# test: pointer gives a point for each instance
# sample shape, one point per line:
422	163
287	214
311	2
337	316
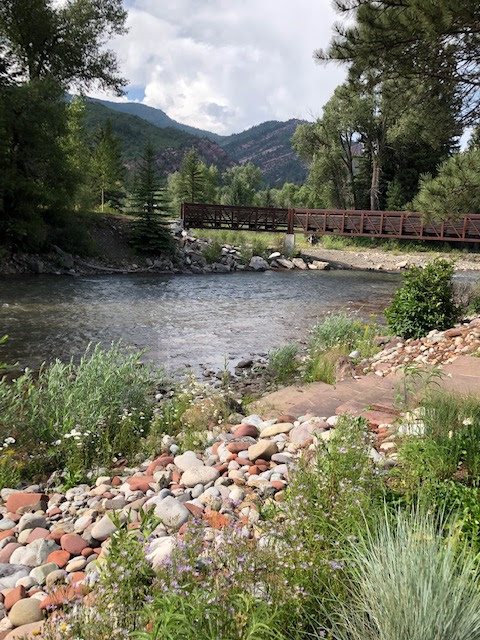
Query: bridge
396	225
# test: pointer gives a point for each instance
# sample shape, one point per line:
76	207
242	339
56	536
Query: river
201	320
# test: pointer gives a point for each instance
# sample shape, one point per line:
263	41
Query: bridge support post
289	244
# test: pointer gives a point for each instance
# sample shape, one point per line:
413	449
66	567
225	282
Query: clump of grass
333	338
336	329
282	363
212	252
408	581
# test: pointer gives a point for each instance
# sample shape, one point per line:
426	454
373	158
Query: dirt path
378	260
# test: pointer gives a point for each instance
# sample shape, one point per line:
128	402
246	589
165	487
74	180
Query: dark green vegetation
424	302
412	88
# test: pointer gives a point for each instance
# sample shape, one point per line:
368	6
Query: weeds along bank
134	508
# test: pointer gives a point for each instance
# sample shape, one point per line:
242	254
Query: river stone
199	475
187	460
26	631
172	513
6	523
302	432
262	449
34	554
31	521
25	611
103	529
160	549
39	574
275	429
299	263
286	264
10	573
320	265
258	264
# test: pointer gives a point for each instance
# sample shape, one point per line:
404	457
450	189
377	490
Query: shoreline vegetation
133	506
107	251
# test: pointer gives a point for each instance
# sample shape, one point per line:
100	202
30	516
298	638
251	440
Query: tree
240	184
455	191
151	231
192	177
108	169
427	42
78	154
46	48
62	41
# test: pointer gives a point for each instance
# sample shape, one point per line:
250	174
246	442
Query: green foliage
409	561
424	302
46	48
151	231
407	42
212	252
240	184
74	416
336	329
455	191
108	171
282	363
333	339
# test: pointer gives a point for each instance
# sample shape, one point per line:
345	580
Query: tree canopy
432	42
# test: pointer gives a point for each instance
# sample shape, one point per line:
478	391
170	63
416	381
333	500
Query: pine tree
151	232
192	177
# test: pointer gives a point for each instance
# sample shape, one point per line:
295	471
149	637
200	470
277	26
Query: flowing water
181	320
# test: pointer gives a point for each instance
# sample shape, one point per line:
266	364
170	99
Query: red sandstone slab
19	500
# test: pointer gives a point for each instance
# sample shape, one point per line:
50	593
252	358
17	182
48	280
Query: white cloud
225	65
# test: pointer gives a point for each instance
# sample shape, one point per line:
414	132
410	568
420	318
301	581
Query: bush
213	252
408	581
424	302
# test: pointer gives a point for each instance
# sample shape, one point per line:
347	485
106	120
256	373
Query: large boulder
172	512
25	611
257	263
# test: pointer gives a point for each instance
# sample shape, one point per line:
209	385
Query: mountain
170	143
155	116
268	146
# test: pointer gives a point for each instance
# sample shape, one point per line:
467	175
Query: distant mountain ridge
267	145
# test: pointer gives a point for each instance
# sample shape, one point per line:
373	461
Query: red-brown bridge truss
353	223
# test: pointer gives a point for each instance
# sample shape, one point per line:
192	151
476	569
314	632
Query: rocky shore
53	541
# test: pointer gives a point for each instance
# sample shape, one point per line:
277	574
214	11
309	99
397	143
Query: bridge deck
353	223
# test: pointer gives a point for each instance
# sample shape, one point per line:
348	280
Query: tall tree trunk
375	183
103	198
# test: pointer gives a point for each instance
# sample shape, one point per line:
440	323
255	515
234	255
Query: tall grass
76	415
336	336
408	581
282	363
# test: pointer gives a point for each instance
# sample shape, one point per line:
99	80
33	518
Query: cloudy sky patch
226	65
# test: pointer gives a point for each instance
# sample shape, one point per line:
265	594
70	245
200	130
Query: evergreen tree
430	43
108	169
455	191
151	231
192	177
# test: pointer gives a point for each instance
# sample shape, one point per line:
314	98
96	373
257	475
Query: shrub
424	302
213	252
407	581
282	363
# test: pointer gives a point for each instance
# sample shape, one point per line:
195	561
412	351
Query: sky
226	65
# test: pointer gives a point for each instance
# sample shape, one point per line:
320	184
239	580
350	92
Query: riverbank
377	260
109	252
220	488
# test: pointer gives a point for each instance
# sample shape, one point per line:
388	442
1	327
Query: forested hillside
169	143
268	145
